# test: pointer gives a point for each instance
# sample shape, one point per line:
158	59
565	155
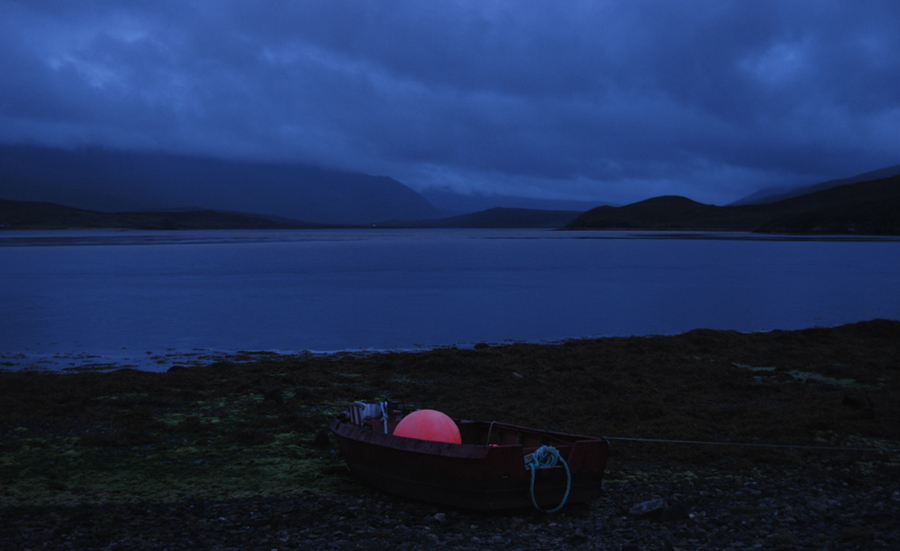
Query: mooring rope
547	456
748	444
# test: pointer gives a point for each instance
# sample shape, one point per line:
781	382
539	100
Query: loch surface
118	294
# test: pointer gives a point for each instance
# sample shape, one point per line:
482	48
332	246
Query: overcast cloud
615	101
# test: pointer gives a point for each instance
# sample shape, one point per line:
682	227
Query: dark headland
864	208
234	454
26	215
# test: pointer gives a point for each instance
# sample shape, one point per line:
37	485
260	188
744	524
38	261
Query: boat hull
488	475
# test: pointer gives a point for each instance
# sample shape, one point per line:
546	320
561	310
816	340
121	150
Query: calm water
82	297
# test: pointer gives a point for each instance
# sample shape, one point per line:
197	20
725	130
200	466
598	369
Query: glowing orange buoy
427	424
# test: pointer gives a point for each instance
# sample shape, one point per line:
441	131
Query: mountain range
120	181
105	188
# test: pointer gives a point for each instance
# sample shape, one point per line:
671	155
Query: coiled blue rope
547	456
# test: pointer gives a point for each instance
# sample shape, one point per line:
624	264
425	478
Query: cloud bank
607	101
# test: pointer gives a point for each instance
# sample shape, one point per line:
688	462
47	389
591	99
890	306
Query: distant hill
32	215
496	218
865	208
668	212
461	203
118	181
779	194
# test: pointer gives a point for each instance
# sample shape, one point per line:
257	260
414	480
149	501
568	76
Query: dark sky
614	101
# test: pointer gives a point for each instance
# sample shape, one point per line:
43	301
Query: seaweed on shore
233	430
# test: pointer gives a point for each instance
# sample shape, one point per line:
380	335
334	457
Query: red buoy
427	424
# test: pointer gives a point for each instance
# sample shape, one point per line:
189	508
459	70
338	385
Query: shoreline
129	458
160	362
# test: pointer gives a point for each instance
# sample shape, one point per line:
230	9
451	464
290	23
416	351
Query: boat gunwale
448	449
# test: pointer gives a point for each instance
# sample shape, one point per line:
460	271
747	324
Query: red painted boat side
476	474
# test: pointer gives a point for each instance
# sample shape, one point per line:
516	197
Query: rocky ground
234	456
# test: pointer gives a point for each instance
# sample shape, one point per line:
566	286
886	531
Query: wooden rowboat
486	471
